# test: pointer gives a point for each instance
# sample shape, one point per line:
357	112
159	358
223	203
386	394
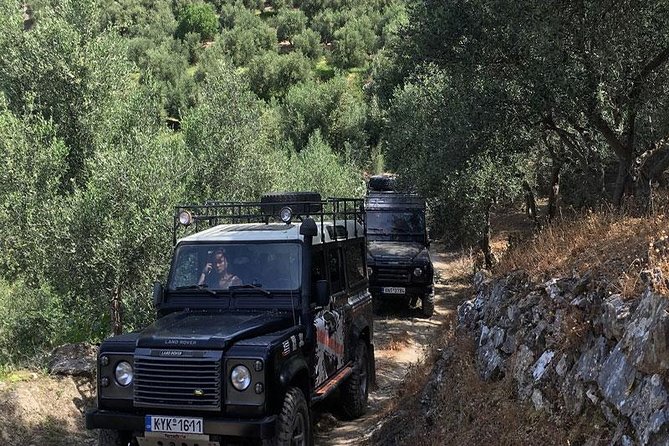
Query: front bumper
251	428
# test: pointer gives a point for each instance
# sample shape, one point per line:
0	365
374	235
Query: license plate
179	425
394	290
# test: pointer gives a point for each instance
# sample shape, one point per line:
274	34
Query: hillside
565	343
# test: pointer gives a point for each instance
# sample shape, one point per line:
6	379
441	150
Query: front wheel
427	304
294	423
355	390
112	437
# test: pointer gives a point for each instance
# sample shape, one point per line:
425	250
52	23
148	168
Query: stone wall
572	348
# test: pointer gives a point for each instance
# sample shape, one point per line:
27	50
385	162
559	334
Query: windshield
395	223
270	266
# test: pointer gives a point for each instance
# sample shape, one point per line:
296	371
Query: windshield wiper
202	287
251	286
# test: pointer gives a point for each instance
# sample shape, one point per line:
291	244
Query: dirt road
401	338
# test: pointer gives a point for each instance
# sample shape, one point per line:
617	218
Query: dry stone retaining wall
571	347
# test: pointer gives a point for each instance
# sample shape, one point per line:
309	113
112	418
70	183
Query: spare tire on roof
382	183
301	203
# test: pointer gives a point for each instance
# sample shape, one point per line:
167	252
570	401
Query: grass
612	246
323	69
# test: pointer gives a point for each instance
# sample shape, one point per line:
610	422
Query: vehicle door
329	320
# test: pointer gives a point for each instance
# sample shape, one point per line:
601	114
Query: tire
355	390
382	183
427	304
112	437
302	203
294	423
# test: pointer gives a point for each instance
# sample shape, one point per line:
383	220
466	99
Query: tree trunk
623	180
117	312
531	205
485	241
555	190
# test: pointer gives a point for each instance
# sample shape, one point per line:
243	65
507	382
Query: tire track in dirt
401	337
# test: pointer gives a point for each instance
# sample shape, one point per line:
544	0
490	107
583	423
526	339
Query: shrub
31	322
308	42
197	18
290	22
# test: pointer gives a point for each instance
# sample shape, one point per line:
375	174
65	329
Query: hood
402	252
200	330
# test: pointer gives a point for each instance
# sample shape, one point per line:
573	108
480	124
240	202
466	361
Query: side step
327	387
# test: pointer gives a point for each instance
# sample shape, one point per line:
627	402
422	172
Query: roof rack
192	218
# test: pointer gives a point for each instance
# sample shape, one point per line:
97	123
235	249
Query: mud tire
112	437
427	304
355	390
294	423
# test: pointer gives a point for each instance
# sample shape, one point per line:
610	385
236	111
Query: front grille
392	275
182	382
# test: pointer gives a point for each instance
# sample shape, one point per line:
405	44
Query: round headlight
286	214
418	272
240	377
123	373
185	218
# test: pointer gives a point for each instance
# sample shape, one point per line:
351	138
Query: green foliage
271	74
227	141
289	22
318	168
91	171
32	322
326	22
65	75
111	238
354	42
165	66
336	108
249	36
35	162
429	140
308	43
152	19
197	18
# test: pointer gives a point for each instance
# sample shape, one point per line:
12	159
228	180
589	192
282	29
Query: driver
216	274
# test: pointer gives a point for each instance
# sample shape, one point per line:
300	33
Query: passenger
216	275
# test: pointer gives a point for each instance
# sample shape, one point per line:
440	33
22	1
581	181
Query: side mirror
158	294
322	293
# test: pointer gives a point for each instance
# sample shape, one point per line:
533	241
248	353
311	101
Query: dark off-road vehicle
243	358
398	259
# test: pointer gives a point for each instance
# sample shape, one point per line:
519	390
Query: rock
616	378
573	395
647	407
74	360
616	313
490	363
583	283
562	366
481	279
538	400
541	364
467	314
646	339
524	360
590	362
509	345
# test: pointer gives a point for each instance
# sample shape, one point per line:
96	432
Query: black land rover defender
243	355
399	262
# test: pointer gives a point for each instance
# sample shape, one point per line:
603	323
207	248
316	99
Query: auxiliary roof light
185	218
286	214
